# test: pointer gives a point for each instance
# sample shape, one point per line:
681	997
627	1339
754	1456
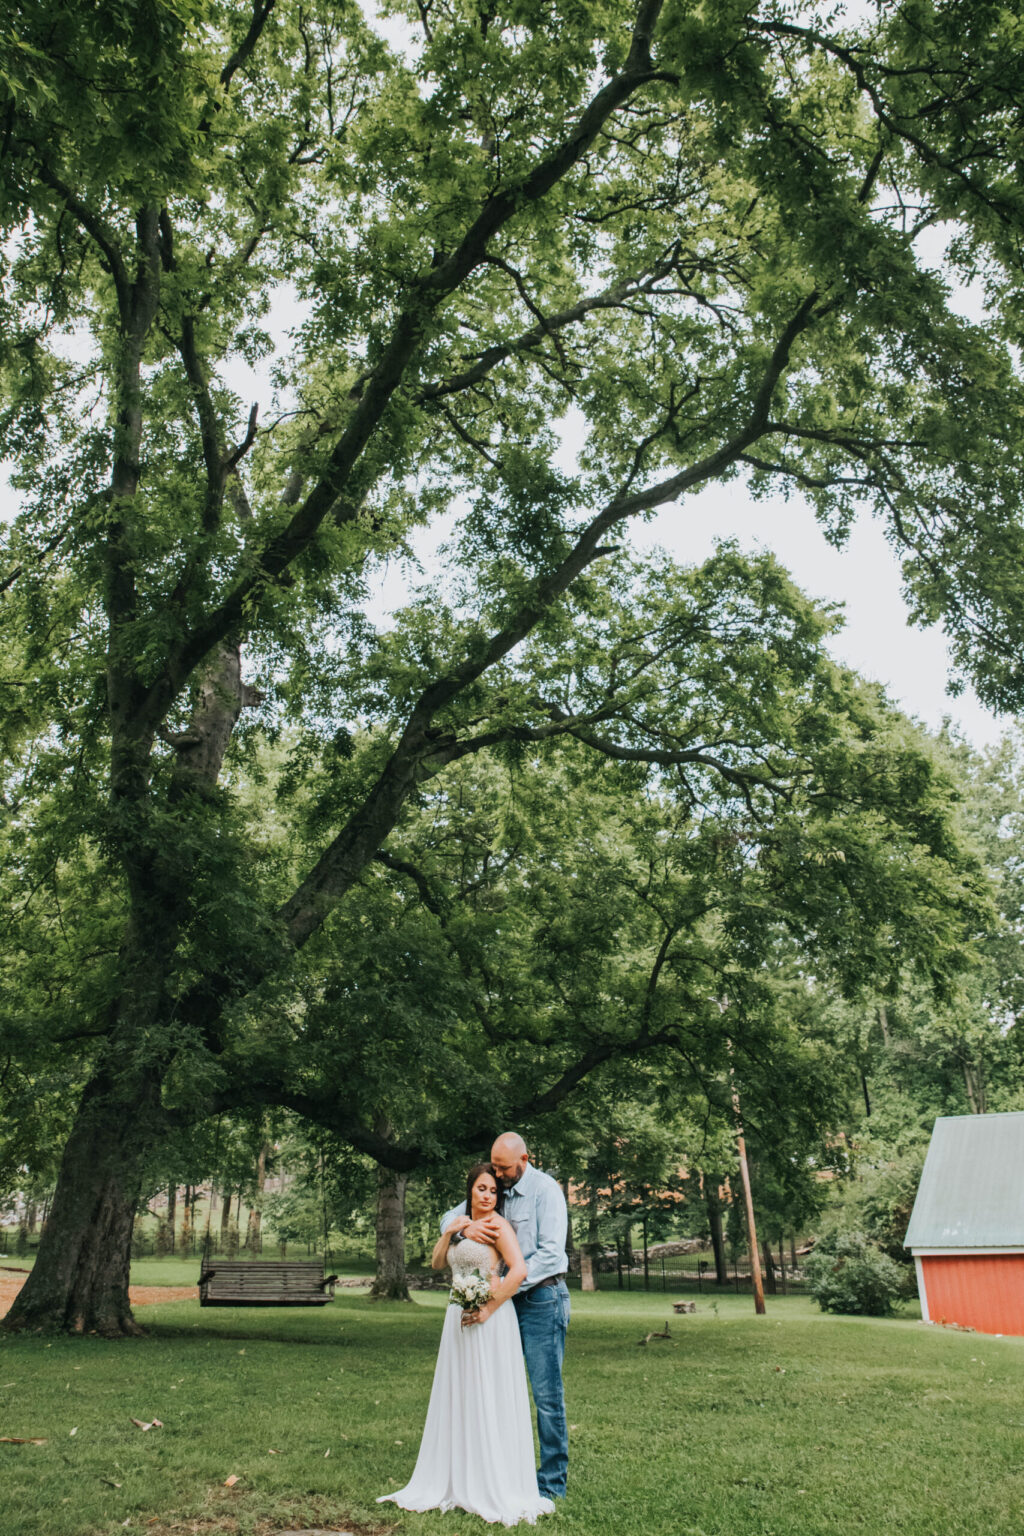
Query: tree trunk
714	1208
80	1279
389	1283
172	1213
769	1268
225	1218
254	1232
592	1247
975	1092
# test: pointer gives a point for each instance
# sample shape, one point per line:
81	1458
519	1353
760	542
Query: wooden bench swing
255	1283
259	1283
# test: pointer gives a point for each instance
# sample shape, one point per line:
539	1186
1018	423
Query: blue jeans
543	1313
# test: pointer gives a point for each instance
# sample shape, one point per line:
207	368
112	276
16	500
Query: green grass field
792	1425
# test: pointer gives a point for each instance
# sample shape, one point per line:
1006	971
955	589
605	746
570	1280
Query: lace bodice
468	1255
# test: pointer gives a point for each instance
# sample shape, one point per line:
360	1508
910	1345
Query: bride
477	1448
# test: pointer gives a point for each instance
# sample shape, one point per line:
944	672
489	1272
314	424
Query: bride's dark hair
474	1173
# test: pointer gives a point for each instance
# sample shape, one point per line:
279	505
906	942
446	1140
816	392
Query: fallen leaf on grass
73	1431
229	1482
110	1482
153	1424
326	1454
273	1453
17	1440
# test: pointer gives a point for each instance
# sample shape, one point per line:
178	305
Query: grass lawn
792	1425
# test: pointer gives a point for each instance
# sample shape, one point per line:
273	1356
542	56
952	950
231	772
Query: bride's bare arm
439	1257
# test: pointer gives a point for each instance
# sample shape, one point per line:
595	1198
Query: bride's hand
480	1315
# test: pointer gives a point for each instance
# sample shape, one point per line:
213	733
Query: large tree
639	214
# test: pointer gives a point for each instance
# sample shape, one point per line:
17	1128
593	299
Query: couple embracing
477	1448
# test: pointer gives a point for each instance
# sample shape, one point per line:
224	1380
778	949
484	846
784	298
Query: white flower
470	1291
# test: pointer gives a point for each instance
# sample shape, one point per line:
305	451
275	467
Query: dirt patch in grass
141	1295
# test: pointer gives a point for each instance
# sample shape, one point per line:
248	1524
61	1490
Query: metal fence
687	1274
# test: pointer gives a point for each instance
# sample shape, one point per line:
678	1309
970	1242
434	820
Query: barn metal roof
971	1193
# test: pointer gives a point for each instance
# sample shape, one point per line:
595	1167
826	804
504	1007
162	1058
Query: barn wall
983	1291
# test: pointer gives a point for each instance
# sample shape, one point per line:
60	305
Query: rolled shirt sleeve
449	1216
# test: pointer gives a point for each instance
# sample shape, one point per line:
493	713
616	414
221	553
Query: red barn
967	1227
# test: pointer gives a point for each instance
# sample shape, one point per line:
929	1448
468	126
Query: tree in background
658	219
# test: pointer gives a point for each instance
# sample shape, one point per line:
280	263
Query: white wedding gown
477	1448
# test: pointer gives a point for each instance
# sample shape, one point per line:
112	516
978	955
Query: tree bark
80	1279
389	1282
769	1269
172	1213
714	1209
592	1246
254	1231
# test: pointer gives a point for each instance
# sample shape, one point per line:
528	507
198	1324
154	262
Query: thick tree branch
104	237
336	495
244	51
421	750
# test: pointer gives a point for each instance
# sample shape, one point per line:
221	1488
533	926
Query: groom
535	1207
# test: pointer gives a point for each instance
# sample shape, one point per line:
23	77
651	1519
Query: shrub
848	1273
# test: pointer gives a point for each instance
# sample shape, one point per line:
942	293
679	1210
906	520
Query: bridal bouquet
470	1291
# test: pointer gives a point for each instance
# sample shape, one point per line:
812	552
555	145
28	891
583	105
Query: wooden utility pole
748	1201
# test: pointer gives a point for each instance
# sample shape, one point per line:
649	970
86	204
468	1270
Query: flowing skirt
477	1448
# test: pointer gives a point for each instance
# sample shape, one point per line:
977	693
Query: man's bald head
509	1158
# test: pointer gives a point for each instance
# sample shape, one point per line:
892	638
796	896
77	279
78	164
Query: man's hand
486	1230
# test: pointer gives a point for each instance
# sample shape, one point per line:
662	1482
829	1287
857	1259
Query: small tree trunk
254	1235
769	1268
592	1247
172	1214
225	1218
389	1282
714	1208
568	1235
